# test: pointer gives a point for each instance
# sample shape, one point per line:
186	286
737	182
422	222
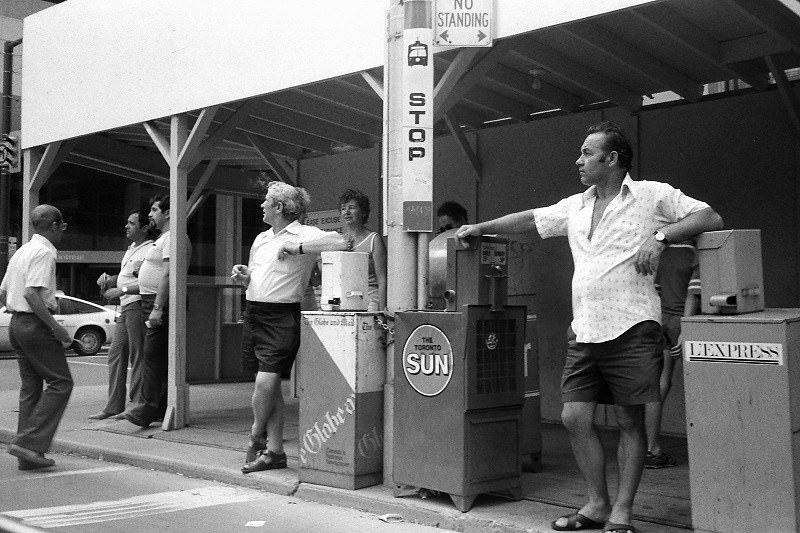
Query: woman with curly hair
354	206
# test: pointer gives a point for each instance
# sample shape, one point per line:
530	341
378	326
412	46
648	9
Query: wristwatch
156	307
660	237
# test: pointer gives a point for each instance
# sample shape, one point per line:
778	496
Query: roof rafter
785	28
322	109
579	74
523	84
266	128
634	58
482	97
667	22
298	121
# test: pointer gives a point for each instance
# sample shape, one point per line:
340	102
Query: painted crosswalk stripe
44	474
138	506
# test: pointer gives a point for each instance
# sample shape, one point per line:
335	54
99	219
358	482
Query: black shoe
268	460
134	419
29	459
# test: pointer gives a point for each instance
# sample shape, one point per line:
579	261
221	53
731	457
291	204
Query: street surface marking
99	470
86	363
138	506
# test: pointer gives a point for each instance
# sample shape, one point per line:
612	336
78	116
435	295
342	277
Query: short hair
360	198
143	217
615	141
453	210
163	201
43	216
295	200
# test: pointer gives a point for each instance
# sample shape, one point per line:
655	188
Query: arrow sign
481	36
444	36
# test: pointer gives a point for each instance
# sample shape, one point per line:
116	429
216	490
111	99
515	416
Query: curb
377	500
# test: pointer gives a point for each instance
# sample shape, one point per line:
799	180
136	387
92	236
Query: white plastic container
344	281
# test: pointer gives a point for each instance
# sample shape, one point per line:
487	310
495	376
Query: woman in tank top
354	206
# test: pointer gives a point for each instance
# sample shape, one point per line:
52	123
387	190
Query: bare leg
653	410
578	418
269	410
630	460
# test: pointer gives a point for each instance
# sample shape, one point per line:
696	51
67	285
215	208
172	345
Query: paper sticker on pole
428	360
417	124
464	22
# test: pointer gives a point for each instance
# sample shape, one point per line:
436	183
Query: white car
89	323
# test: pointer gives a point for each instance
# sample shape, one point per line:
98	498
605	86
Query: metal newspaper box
742	382
459	383
341	377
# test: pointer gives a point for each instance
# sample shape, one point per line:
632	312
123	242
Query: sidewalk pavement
211	447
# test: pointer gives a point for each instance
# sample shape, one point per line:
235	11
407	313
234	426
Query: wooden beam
466	147
664	20
201	183
545	93
159	139
187	157
782	25
177	390
347	95
448	98
296	120
225	129
263	127
482	97
455	70
303	102
578	74
747	48
634	58
785	90
375	84
46	165
269	158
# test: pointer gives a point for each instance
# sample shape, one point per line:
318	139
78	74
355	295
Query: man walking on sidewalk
28	291
129	330
279	268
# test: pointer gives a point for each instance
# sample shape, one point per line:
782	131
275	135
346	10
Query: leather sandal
267	460
256	447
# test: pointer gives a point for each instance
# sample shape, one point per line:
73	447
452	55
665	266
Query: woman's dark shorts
622	371
270	337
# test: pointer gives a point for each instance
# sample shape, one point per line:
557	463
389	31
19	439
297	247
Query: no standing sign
463	22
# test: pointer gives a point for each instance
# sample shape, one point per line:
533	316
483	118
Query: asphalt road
87	496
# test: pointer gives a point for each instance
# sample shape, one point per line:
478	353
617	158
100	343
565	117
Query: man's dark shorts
622	371
270	337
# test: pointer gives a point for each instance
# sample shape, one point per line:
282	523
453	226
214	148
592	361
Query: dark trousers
41	359
152	402
127	345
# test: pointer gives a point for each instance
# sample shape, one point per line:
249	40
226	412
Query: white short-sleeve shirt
152	269
281	281
129	269
32	265
608	295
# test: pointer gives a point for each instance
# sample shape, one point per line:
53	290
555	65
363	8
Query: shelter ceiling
620	58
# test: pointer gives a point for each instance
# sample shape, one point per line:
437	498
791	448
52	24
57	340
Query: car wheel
92	340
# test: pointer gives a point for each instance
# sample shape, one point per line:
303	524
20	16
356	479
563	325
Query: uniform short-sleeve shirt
281	281
32	265
152	269
129	269
608	295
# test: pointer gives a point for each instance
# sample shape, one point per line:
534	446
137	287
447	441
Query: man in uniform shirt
279	268
28	292
129	330
616	230
154	291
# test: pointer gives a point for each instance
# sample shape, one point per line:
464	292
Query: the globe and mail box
342	370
